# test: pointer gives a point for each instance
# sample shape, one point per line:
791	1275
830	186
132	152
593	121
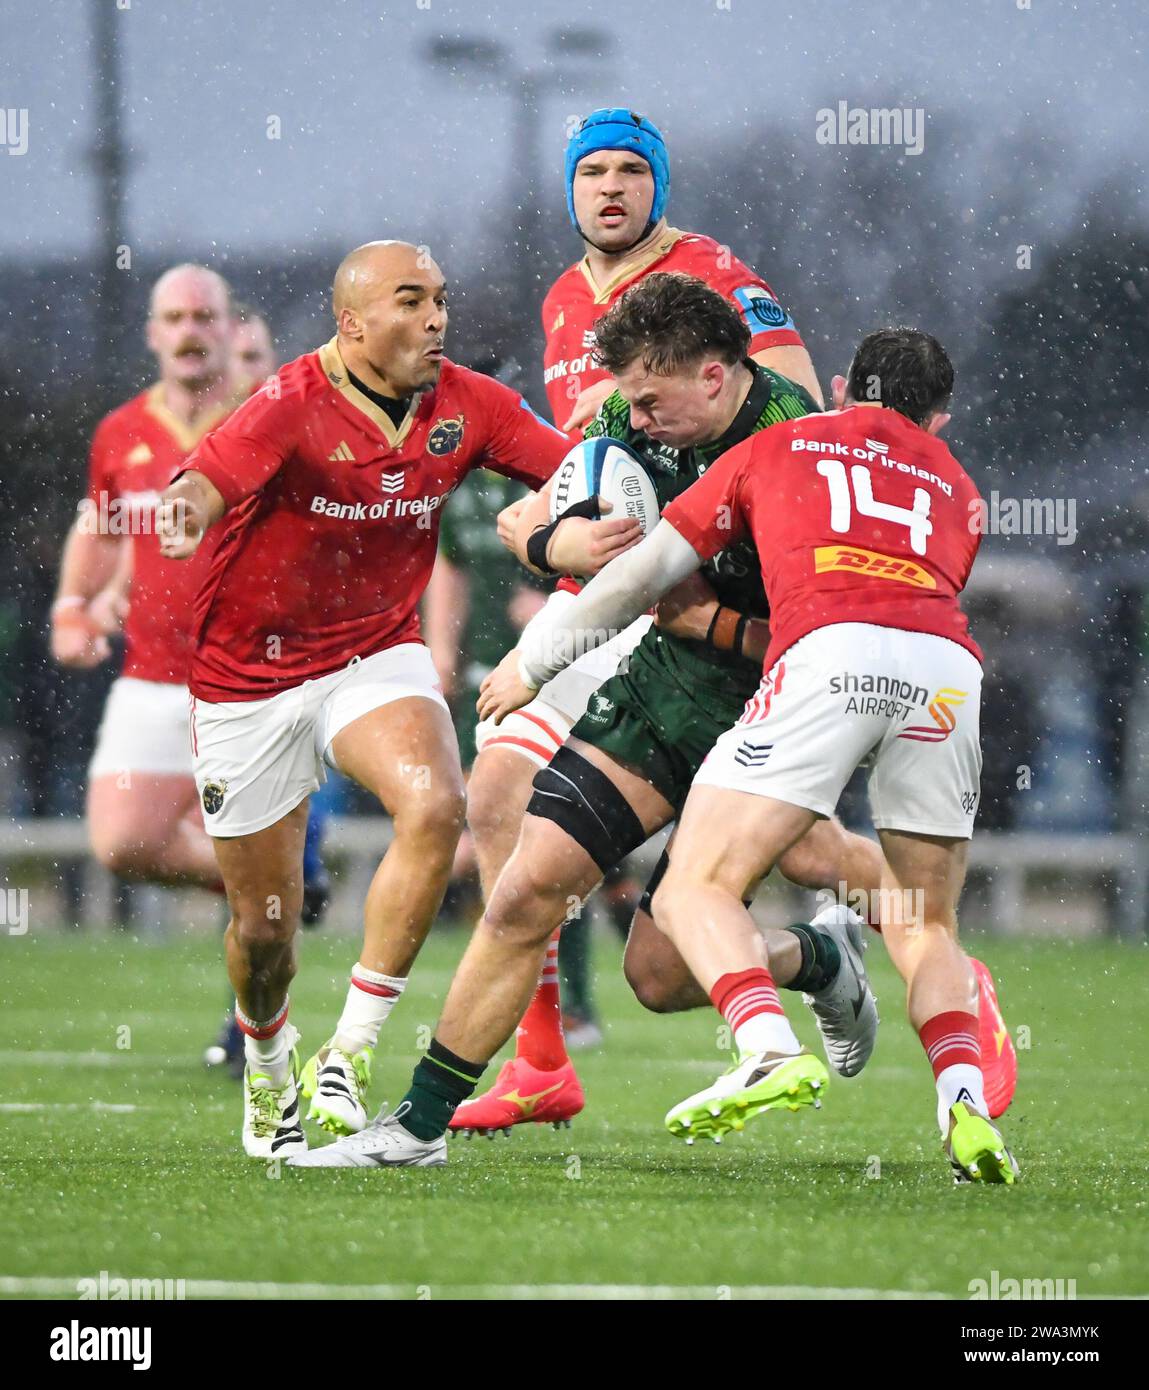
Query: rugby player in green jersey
687	393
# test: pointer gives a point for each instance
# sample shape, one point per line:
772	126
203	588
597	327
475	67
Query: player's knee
264	923
526	903
814	862
650	987
434	817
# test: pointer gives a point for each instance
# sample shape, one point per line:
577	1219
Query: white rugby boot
383	1144
272	1127
846	1011
336	1085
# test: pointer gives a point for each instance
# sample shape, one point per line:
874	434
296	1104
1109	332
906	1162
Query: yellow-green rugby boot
976	1150
757	1081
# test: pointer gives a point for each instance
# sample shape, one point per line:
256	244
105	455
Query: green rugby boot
756	1082
976	1150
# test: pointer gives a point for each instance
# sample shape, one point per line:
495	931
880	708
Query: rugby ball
610	469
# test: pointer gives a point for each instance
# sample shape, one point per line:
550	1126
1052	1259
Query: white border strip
229	1289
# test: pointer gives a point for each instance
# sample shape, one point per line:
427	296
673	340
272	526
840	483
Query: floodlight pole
109	160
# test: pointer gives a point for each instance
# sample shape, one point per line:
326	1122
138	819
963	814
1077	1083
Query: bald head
390	306
190	326
367	269
197	280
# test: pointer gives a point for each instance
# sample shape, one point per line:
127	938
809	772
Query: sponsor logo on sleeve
762	312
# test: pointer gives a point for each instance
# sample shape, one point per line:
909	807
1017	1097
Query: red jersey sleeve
100	479
710	513
251	445
519	444
769	322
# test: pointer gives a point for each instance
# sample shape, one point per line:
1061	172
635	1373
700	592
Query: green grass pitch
855	1196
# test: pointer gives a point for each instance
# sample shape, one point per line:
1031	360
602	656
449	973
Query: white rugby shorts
256	760
145	728
905	703
540	728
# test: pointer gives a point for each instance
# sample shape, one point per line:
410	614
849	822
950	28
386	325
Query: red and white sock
539	1037
266	1045
951	1044
370	998
748	1001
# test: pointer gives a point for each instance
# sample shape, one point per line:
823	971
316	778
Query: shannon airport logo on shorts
871	563
887	695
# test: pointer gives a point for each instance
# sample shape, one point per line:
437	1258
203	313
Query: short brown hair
670	321
903	369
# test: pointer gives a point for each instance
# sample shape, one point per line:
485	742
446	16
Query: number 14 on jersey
856	491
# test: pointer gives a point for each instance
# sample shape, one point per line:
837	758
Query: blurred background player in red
252	345
328	484
617	174
143	812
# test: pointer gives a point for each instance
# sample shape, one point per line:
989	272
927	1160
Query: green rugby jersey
468	538
735	574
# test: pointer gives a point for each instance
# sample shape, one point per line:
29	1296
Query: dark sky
376	141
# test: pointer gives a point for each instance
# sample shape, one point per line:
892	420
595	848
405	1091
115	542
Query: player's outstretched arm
610	602
187	508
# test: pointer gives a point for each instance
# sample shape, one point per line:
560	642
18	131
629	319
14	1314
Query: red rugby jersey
136	452
334	517
575	301
858	516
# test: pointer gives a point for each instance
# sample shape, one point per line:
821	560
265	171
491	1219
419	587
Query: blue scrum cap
616	128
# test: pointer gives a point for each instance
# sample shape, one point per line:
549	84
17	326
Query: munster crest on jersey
445	436
213	793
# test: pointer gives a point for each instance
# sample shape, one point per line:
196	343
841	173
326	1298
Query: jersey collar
749	412
631	269
185	435
335	370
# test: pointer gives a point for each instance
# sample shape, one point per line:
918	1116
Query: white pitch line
221	1288
76	1059
27	1107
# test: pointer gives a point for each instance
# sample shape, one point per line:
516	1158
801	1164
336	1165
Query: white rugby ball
610	469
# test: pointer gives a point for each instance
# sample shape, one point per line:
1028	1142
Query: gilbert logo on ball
609	469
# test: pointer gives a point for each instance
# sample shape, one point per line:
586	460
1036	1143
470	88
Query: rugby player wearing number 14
860	521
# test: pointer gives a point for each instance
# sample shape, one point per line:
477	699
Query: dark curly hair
670	321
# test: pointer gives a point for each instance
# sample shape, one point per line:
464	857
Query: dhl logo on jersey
941	709
873	564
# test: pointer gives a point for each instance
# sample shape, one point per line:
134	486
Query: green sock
821	959
574	968
439	1085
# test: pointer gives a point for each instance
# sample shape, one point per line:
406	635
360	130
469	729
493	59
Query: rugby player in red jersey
252	348
326	487
862	523
617	174
143	811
